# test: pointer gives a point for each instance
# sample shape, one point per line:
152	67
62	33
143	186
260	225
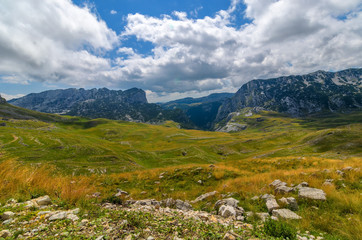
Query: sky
170	48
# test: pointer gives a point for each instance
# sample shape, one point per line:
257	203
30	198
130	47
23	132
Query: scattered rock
302	184
227	211
102	237
283	189
271	204
267	196
312	193
199	182
340	173
228	236
228	201
204	196
5	234
43	201
58	216
347	169
121	193
7	215
255	198
277	183
72	217
185	206
285	214
328	182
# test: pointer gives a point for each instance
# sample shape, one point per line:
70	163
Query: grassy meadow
71	158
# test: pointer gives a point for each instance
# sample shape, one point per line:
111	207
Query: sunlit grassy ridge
41	157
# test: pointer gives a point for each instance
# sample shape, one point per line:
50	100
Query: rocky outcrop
311	193
285	214
229	208
299	95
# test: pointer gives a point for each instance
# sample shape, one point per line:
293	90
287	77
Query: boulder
58	216
185	206
312	193
290	202
43	201
227	211
285	214
302	184
271	204
121	193
204	196
283	189
328	182
267	196
277	183
169	202
7	215
5	234
228	201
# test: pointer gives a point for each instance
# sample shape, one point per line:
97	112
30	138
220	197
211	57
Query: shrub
280	229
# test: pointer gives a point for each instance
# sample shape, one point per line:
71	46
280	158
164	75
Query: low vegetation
72	159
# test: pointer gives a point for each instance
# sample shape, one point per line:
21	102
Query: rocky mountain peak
2	100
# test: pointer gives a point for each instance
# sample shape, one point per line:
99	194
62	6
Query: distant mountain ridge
299	95
128	105
201	111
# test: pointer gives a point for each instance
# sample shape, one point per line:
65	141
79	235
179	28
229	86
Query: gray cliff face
63	101
300	95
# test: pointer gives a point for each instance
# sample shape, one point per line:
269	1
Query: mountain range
296	95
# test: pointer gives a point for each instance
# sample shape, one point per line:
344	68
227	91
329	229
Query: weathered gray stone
228	201
72	217
267	196
227	211
311	193
204	196
7	215
255	198
285	214
271	204
328	182
277	183
185	206
43	201
58	216
169	202
121	193
292	203
5	234
283	189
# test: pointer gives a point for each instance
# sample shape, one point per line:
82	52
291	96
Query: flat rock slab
285	214
204	196
312	193
271	204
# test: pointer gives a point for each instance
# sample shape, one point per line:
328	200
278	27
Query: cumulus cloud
9	96
113	12
52	40
188	55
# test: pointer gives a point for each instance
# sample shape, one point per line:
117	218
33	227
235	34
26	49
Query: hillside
201	111
300	95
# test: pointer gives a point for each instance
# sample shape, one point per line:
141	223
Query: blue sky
172	49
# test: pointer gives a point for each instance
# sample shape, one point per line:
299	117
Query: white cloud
62	42
9	96
113	12
52	40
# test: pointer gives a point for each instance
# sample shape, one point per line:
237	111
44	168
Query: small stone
121	193
43	201
204	196
277	183
102	237
285	214
283	189
255	198
129	237
271	204
5	234
312	193
150	238
84	222
228	236
228	201
7	215
267	196
72	217
227	211
199	182
58	216
185	206
347	169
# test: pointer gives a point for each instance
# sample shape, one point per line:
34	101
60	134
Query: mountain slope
129	105
201	111
300	95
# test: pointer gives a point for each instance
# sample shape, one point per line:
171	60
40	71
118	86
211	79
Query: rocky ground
42	218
